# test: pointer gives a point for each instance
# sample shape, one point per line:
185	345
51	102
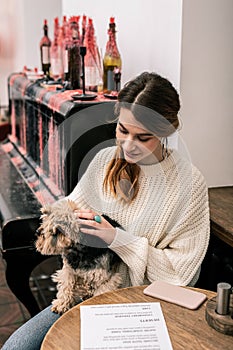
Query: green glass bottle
112	63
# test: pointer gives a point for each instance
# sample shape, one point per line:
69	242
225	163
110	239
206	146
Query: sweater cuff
133	251
122	240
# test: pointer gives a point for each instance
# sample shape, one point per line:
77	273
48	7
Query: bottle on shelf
93	65
112	63
56	70
74	63
45	45
65	49
84	24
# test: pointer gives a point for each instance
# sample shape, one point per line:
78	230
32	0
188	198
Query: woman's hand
103	229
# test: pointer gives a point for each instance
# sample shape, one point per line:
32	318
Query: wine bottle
65	49
56	52
45	44
112	63
84	21
93	66
74	63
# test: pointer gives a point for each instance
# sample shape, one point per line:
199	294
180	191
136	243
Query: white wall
21	28
149	32
8	50
207	87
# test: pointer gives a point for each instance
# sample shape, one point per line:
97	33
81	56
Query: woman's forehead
127	118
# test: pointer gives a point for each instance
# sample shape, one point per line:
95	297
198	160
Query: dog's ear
72	204
57	230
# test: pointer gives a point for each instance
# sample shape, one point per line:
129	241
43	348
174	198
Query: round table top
187	328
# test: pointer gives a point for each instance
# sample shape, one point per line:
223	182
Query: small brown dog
89	267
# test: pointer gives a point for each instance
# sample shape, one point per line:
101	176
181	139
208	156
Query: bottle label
65	61
91	76
56	68
45	55
110	80
74	33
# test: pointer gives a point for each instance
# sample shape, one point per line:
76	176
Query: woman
157	196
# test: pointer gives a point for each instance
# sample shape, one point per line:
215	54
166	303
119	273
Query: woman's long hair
154	102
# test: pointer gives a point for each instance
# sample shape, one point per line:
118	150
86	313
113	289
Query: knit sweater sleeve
178	257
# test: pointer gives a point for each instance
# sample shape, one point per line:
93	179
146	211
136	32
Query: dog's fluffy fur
89	267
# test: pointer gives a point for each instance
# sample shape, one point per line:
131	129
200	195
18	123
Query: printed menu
123	326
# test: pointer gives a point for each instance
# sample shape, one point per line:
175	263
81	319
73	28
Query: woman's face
138	144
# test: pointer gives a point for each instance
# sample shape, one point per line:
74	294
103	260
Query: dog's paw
58	310
58	307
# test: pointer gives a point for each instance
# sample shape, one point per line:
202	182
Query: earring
164	142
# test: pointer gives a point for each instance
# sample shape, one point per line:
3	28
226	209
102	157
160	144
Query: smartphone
175	294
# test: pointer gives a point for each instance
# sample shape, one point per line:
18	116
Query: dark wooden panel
221	213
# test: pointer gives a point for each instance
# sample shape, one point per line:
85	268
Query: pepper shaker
223	298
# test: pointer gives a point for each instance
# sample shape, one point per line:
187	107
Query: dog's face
59	228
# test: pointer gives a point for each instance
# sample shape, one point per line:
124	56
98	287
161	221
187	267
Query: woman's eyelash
143	140
140	138
123	131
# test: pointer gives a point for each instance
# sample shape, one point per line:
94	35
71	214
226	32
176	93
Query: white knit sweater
165	231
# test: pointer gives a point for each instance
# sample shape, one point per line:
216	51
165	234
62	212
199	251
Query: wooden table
187	328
